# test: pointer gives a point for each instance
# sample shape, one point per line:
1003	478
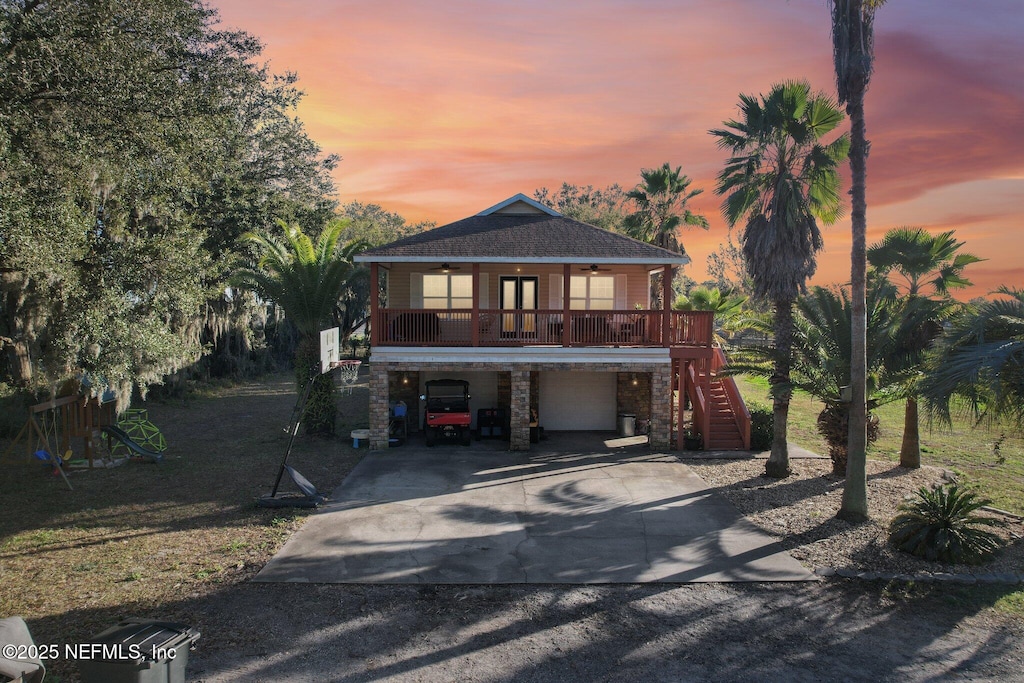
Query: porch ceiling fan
593	268
445	268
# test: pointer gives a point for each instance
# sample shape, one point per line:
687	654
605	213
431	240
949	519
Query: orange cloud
441	109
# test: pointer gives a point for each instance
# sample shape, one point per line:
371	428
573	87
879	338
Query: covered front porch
432	305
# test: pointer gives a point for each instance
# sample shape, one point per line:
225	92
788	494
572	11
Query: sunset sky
440	109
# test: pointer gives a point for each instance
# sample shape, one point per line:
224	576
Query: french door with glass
518	294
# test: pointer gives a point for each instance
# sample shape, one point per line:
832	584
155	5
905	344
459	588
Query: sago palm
924	268
305	279
781	178
943	525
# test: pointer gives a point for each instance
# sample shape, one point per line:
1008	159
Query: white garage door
577	401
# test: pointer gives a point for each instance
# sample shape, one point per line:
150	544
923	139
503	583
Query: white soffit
455	356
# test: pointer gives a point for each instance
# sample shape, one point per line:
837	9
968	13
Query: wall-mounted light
633	379
405	378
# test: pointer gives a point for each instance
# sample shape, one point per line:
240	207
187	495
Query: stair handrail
701	414
732	393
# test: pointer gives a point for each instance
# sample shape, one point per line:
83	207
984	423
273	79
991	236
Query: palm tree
820	360
305	279
853	50
725	305
781	178
661	200
916	261
981	359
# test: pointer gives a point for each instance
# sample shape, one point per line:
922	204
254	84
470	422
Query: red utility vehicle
447	413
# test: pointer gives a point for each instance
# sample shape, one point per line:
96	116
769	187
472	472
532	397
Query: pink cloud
441	109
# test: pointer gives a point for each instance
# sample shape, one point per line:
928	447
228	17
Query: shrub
762	426
941	525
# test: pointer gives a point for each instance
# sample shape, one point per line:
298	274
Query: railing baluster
497	327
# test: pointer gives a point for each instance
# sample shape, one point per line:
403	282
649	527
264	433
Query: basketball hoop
348	371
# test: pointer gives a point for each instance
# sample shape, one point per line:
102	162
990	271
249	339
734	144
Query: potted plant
692	441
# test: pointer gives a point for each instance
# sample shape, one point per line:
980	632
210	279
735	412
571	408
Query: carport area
611	513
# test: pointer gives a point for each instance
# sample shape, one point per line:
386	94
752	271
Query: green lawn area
990	457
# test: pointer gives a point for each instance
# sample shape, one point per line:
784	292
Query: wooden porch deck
503	328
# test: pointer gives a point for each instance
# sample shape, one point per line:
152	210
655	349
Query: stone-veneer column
633	394
519	422
661	407
379	410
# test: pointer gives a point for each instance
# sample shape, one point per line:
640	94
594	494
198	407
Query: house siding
400	277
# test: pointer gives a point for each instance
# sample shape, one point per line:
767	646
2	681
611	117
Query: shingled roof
524	231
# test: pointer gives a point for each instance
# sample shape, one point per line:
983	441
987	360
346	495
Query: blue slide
140	452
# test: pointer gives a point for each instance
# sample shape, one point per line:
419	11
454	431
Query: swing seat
55	460
55	463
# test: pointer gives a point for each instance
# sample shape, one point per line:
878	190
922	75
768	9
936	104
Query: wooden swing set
53	424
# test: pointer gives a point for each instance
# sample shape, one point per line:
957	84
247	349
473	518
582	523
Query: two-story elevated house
544	316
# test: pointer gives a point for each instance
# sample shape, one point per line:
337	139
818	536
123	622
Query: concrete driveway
614	513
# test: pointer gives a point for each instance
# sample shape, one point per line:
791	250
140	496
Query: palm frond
981	359
782	178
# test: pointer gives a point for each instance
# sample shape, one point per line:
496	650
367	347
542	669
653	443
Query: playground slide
137	450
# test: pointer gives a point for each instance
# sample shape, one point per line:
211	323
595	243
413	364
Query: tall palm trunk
910	449
778	462
855	492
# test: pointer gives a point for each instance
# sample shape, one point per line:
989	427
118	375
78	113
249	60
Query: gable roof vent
519	205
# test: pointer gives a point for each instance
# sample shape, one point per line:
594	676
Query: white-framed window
447	290
592	292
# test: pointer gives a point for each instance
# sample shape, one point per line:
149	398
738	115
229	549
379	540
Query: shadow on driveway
617	514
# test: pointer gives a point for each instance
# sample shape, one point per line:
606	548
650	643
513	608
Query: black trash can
139	651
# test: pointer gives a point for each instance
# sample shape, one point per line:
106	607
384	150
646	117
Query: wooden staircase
720	416
725	430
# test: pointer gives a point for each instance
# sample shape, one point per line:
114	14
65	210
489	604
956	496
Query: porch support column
379	409
374	304
666	306
475	316
519	422
661	407
566	322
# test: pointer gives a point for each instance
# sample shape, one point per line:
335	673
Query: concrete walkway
450	514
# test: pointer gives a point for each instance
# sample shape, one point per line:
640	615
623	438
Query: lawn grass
988	457
181	540
154	540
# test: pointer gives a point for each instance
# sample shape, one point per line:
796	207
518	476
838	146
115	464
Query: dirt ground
723	632
179	541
